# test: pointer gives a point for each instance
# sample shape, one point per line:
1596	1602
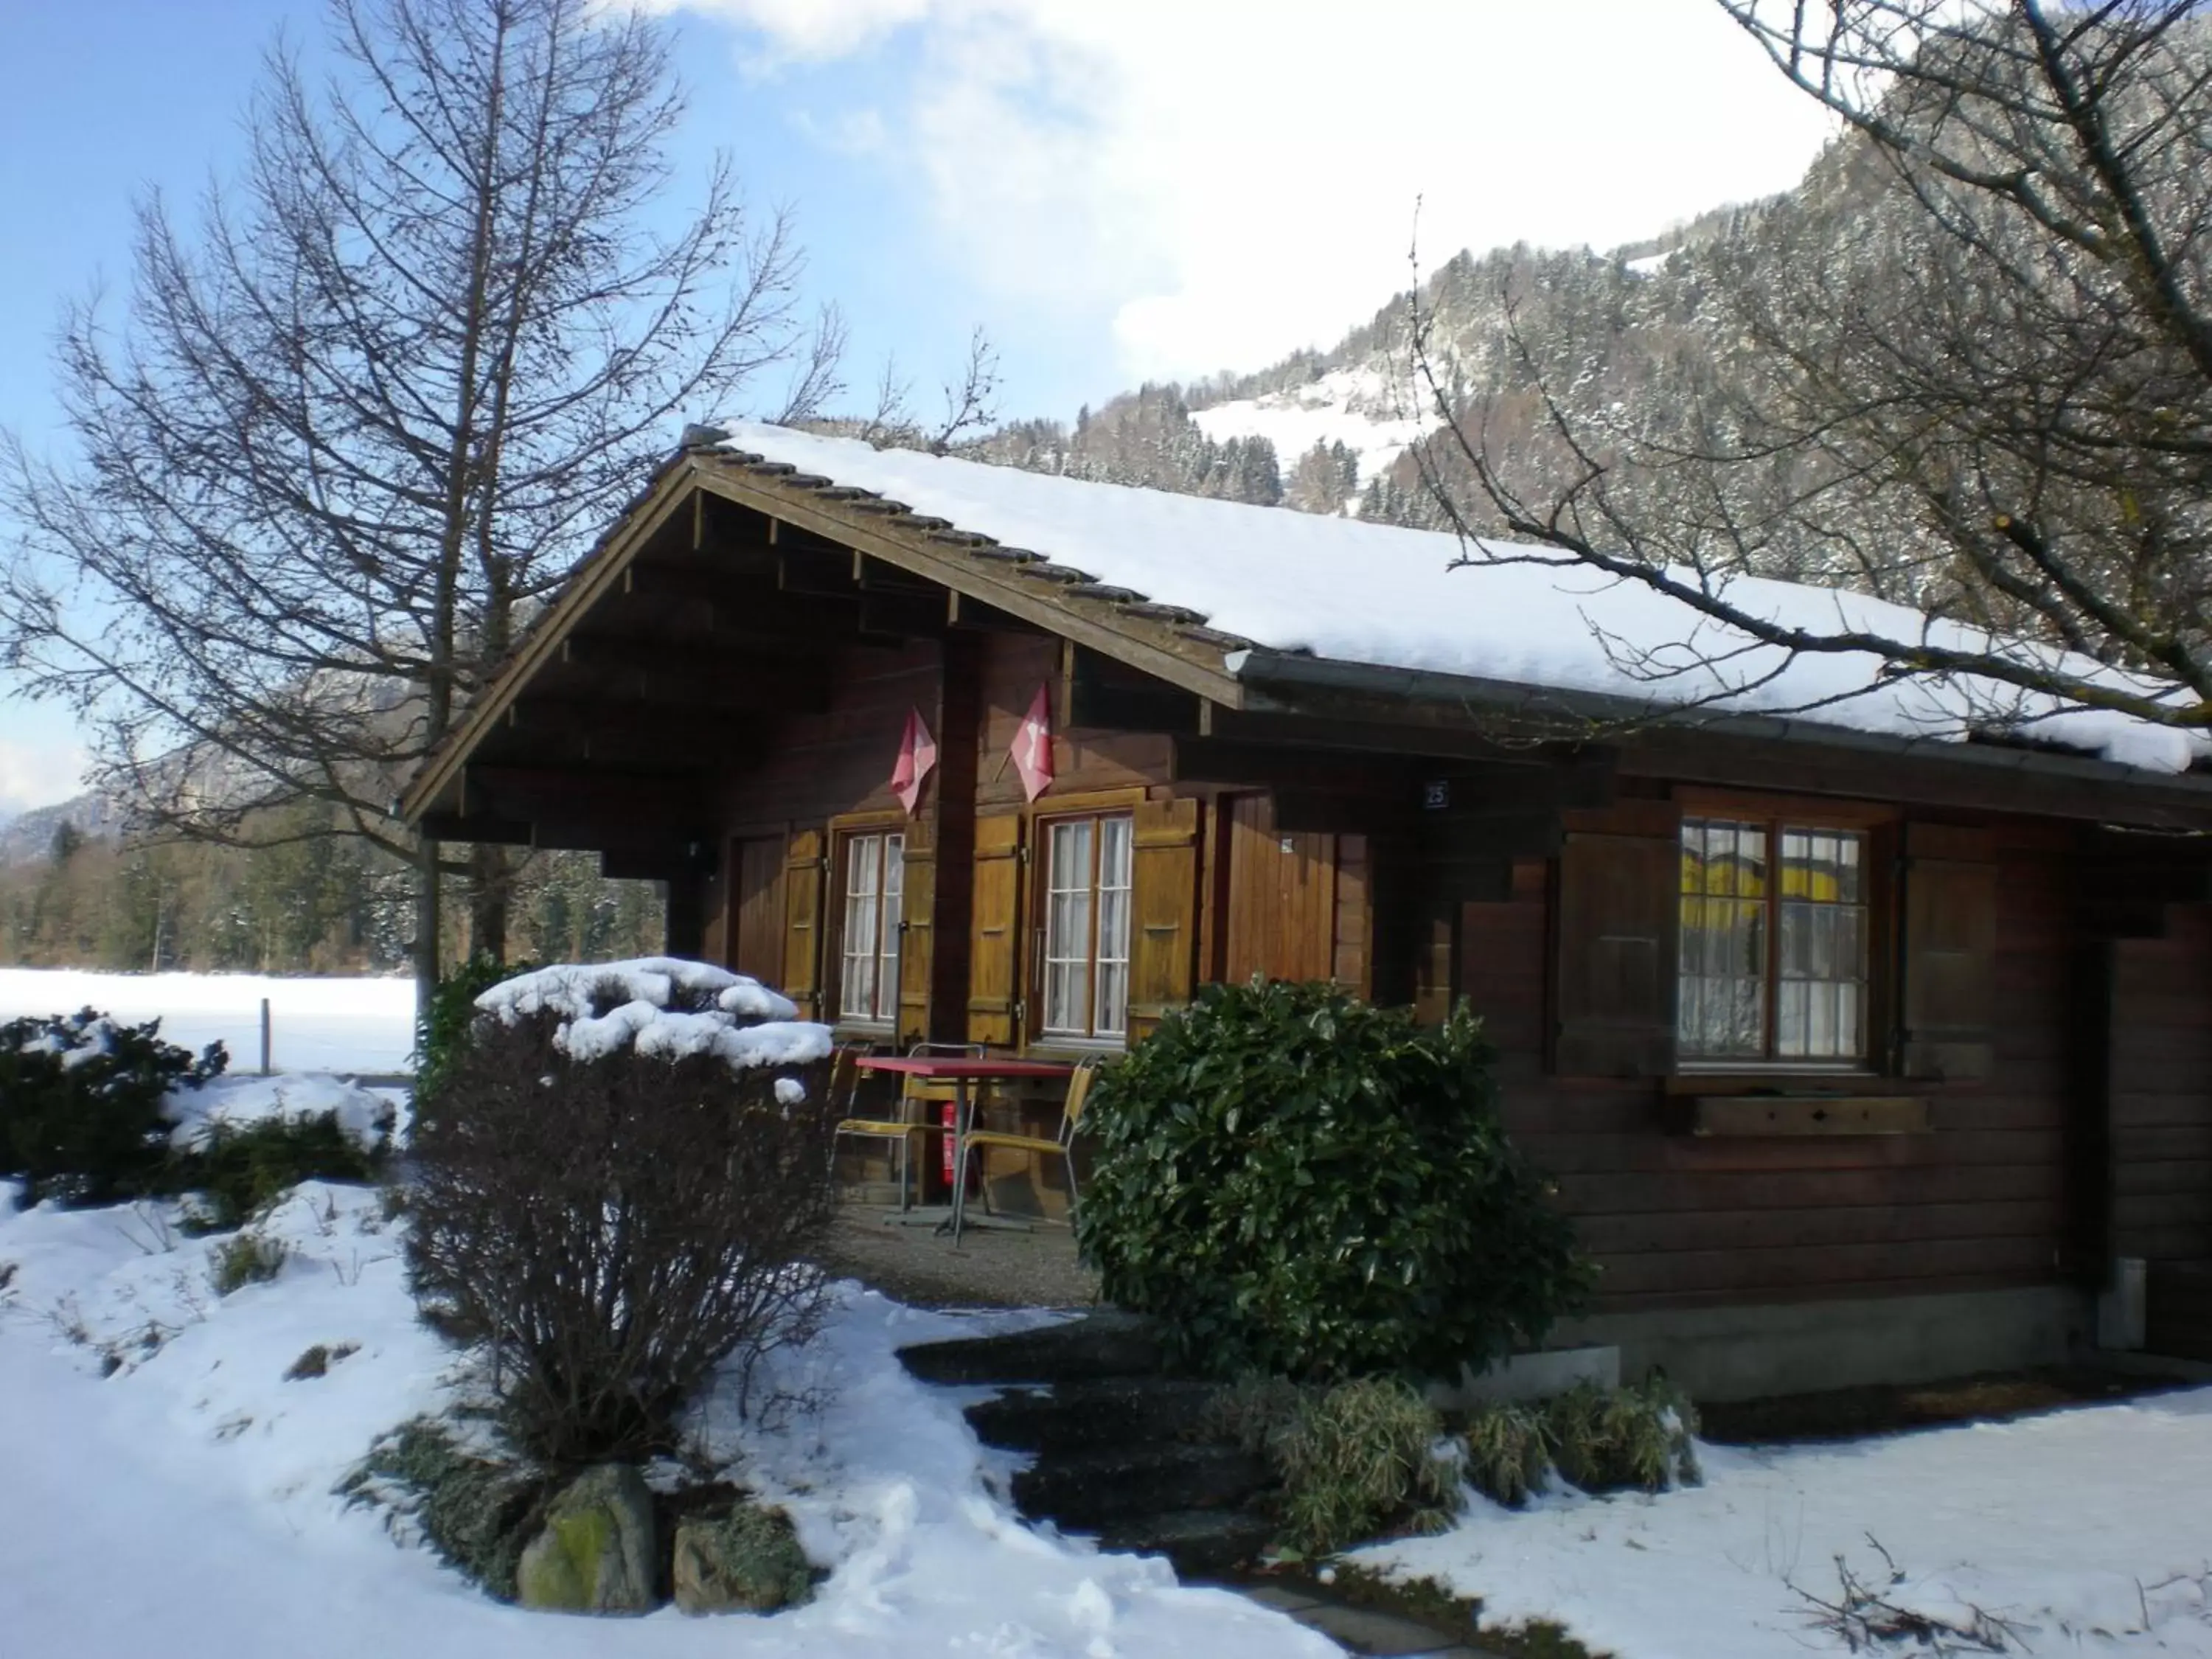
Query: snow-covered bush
239	1171
1605	1439
82	1104
1594	1438
617	1183
1300	1182
248	1258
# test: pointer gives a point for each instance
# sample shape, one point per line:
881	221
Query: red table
960	1071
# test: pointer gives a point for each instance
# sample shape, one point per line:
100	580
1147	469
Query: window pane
856	997
1110	1016
1067	928
1822	997
894	907
1722	993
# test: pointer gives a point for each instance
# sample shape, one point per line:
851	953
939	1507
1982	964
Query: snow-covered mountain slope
1372	413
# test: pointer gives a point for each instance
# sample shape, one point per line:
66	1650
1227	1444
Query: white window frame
1087	919
868	935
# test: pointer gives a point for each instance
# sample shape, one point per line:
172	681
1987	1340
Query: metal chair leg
960	1190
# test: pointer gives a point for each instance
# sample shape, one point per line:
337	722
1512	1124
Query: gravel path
992	1268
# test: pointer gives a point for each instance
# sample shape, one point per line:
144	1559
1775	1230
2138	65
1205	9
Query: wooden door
804	866
756	918
1282	897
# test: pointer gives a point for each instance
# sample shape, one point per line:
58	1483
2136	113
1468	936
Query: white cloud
811	29
1234	179
37	773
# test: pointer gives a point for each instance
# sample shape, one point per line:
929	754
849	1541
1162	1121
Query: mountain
27	836
1620	338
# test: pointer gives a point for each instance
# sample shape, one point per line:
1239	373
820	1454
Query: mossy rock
750	1562
595	1554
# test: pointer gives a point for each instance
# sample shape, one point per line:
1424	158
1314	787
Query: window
1748	884
875	881
1085	992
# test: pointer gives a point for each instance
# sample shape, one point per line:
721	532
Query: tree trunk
489	879
426	925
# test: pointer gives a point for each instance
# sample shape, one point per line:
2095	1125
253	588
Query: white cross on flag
1032	747
917	754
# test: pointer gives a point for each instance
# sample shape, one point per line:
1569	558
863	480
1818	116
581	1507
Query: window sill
1765	1078
1074	1048
1806	1114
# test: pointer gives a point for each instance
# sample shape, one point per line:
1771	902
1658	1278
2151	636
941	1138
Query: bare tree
1988	393
367	410
970	405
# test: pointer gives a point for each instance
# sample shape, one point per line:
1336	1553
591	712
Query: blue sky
1114	188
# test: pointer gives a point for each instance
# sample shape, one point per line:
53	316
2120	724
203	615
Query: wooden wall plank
1984	1199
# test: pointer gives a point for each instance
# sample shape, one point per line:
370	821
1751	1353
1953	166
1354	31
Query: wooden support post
687	916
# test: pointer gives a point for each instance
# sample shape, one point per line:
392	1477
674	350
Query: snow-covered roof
1385	597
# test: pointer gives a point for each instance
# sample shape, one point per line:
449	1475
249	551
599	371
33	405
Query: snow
2087	1529
96	1040
1385	596
1357	407
183	1506
746	1025
337	1024
234	1102
572	989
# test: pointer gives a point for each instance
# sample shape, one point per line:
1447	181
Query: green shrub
1298	1183
241	1169
449	1014
1360	1461
1509	1452
81	1104
1598	1439
477	1512
1607	1440
248	1258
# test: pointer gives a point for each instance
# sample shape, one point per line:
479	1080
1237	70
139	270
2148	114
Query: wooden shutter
1163	940
1949	951
1619	911
758	921
802	867
994	956
917	933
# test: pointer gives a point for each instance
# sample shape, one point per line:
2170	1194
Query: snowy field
320	1024
2089	1531
182	1507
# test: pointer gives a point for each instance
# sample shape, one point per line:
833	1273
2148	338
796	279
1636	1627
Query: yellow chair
844	1086
1071	1114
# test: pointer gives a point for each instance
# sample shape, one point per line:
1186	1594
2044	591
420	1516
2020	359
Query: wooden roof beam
541	792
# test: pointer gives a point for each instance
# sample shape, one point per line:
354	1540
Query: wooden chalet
1857	1056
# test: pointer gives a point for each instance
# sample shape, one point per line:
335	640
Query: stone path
1360	1630
1109	1439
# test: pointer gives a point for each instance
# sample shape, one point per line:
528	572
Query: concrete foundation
1749	1353
1530	1376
